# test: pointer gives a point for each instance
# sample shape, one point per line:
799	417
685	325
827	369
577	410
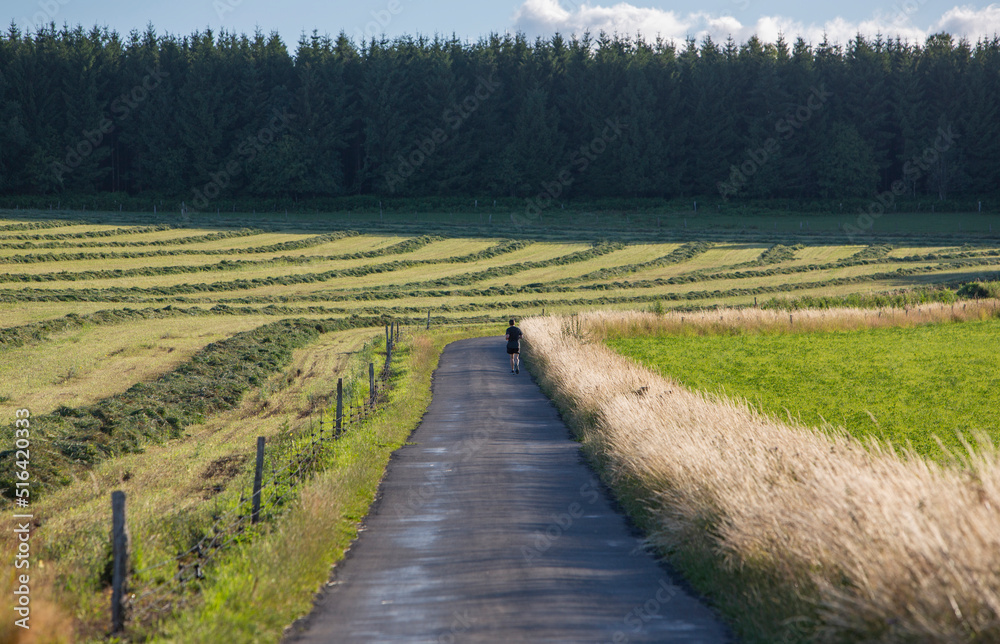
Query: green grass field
903	385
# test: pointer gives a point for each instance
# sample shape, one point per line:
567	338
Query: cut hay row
105	356
802	536
145	269
40	225
116	243
84	233
447	271
305	287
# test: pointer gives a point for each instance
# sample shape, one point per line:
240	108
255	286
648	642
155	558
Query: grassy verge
260	588
793	535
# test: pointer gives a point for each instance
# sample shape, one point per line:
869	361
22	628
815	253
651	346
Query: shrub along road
491	527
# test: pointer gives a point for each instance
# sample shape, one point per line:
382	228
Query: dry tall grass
878	547
744	320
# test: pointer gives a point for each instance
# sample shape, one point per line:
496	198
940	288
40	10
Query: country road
490	527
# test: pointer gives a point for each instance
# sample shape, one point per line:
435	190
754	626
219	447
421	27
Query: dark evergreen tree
200	116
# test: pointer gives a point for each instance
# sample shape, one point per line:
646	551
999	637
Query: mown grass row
596	250
778	253
686	252
874	251
42	225
35	332
406	246
179	293
213	380
295	244
88	234
690	278
131	293
179	241
868	256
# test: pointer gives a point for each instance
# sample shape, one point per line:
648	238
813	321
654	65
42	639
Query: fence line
292	460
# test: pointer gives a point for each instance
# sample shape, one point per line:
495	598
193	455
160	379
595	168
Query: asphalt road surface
490	527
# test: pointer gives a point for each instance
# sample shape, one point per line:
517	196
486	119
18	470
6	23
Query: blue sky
469	19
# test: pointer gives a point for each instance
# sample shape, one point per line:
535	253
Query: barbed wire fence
157	589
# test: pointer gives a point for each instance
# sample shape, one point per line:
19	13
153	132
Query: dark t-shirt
513	334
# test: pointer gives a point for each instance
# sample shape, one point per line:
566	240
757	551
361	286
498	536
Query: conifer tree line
197	116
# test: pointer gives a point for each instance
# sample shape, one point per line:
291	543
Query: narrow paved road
491	528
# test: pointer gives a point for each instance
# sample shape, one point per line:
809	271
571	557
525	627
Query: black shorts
513	351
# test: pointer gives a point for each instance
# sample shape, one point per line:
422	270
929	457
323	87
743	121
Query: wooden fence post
371	384
340	403
119	570
428	319
258	478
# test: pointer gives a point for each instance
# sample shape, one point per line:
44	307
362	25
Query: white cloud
545	17
970	22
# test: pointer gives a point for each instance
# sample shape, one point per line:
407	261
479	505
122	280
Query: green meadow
907	386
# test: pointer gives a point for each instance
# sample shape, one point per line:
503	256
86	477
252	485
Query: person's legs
517	362
512	358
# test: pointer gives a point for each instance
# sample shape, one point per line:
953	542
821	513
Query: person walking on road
514	335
